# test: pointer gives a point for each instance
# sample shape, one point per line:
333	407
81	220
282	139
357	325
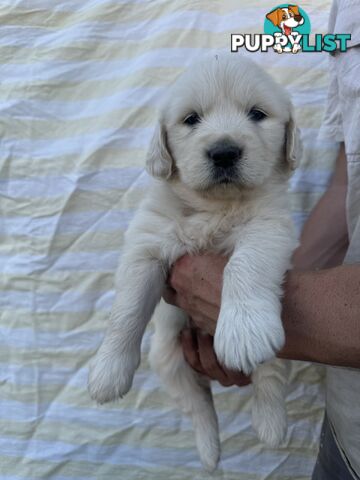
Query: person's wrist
296	341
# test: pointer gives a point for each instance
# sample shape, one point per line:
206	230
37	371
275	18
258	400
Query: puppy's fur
197	206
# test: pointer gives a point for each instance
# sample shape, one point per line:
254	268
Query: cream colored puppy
222	152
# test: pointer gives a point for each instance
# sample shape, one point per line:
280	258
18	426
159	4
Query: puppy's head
225	124
289	16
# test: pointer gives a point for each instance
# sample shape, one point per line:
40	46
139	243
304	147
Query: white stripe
63	185
56	302
27	338
86	144
82	342
67	5
33	110
24	264
68	223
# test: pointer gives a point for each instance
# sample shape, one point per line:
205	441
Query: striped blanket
79	84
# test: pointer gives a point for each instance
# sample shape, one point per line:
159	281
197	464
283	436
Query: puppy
286	19
222	152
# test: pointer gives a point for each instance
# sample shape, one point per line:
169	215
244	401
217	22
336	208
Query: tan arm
324	239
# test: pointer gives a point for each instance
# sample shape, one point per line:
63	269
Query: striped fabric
79	82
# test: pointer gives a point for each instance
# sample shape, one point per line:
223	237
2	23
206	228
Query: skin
326	331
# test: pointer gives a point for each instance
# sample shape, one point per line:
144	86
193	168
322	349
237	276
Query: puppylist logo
287	29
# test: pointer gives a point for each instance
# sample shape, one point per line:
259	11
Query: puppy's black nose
224	154
298	18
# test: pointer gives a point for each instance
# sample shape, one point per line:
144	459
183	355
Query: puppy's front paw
246	337
111	374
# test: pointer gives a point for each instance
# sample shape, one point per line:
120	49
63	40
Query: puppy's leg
249	330
190	391
269	409
140	282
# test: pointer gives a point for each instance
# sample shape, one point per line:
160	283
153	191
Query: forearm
321	309
324	238
321	316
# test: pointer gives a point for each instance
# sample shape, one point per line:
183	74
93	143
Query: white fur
187	211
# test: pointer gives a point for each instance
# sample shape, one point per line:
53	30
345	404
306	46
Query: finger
238	378
209	361
208	272
213	368
190	350
169	295
208	310
203	323
181	273
204	316
201	275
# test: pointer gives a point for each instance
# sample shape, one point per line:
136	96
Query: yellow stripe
67	91
124	13
138	117
230	401
102	157
105	471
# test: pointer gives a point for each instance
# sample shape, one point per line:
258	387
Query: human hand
196	284
199	352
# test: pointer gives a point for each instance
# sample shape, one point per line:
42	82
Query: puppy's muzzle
224	154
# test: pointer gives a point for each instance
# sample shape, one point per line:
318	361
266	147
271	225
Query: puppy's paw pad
111	377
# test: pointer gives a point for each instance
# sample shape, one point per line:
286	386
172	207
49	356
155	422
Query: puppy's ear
293	144
159	162
274	17
294	9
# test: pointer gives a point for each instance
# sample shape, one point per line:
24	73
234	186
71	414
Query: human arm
325	331
324	238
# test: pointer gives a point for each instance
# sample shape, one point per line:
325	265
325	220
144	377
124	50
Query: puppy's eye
192	119
256	115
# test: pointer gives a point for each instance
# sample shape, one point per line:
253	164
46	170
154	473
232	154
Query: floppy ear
159	162
293	144
274	17
294	9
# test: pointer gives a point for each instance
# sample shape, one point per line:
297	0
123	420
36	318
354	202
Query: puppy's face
289	17
223	126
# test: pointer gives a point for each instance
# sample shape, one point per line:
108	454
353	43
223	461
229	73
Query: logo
287	29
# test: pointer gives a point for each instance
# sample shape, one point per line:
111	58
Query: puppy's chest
206	231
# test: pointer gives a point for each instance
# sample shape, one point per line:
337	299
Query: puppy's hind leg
190	391
269	417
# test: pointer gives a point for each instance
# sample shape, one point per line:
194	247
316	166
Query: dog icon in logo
286	19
